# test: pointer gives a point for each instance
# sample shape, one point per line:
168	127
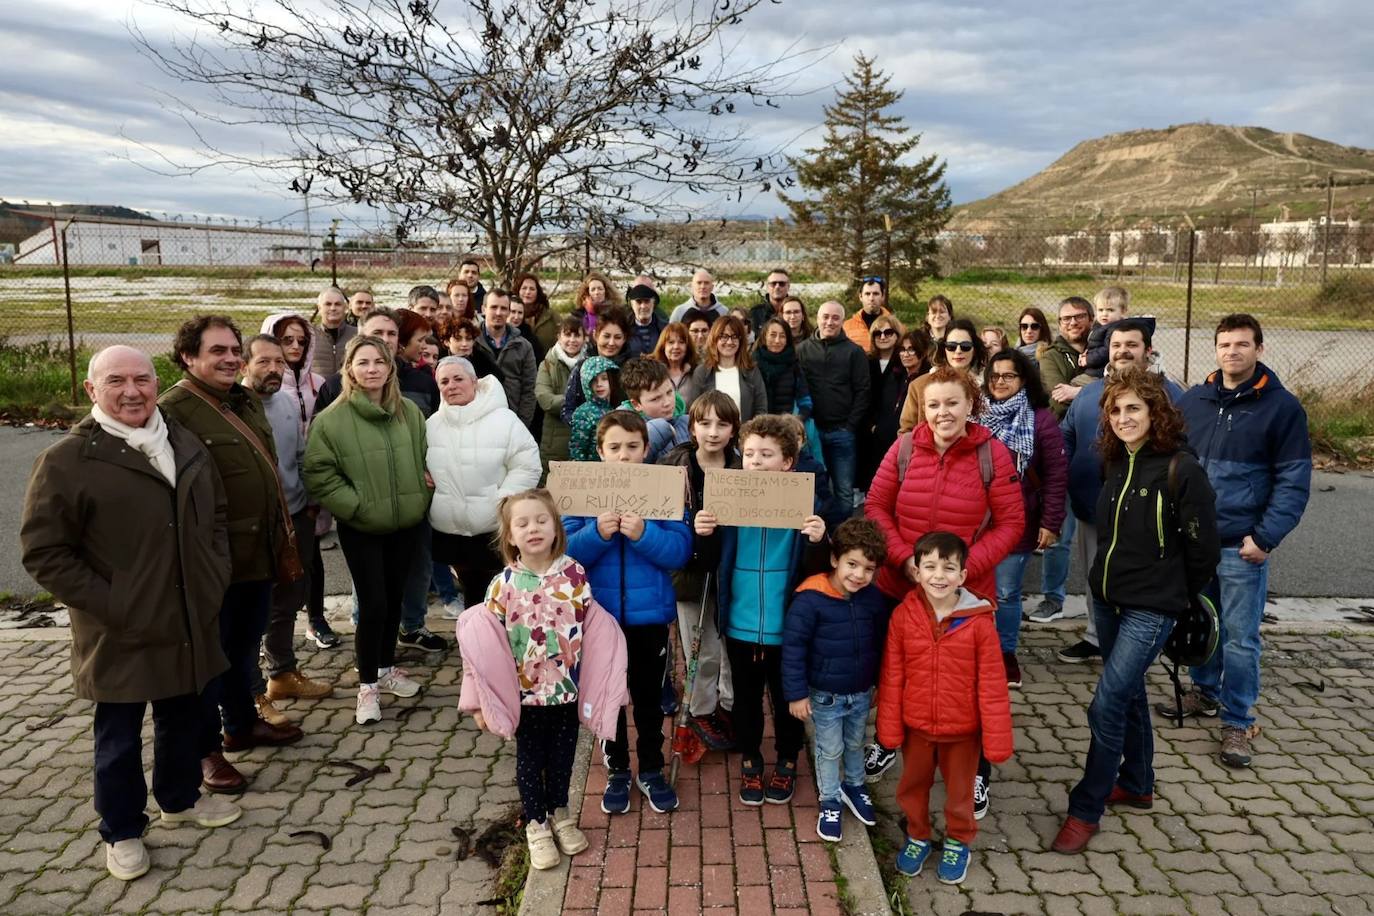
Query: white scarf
150	439
564	358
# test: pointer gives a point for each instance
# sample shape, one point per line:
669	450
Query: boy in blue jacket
830	665
759	570
629	563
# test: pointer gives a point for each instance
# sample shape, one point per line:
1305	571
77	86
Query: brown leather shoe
270	713
219	776
294	685
263	734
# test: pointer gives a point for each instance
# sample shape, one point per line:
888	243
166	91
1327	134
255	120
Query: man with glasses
776	289
872	303
1059	363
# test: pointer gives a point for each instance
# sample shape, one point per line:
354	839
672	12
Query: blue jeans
443	583
1233	675
1054	563
839	719
1010	573
1122	749
841	458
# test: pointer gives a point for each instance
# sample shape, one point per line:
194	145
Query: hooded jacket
1155	549
946	493
517	363
632	579
1254	444
550	383
836	371
302	385
574	395
582	443
477	454
944	679
830	639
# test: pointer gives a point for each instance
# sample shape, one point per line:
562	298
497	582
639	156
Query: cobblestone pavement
1293	834
392	847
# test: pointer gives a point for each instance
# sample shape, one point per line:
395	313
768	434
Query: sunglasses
1028	325
871	280
885	332
952	345
911	350
779	282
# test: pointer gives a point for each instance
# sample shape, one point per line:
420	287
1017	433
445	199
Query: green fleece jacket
367	465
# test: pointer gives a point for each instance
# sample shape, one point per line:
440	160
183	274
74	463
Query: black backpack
1194	638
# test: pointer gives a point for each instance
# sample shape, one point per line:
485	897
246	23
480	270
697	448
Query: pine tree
857	179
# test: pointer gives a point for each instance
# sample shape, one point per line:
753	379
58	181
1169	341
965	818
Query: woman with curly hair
592	298
1157	547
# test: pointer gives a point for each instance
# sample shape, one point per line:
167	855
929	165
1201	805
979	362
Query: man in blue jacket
1130	345
1250	433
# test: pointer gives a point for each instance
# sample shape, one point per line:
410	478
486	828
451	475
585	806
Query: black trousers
316	606
228	699
545	745
121	793
647	648
379	565
754	667
472	557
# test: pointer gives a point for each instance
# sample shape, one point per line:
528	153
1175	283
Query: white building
152	243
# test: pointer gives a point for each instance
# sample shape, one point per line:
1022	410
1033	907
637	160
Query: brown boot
262	734
219	776
270	713
293	685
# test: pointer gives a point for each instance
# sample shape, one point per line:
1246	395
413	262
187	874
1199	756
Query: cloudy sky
1000	88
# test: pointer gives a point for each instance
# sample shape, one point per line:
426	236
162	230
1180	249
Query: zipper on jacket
1159	520
1116	520
395	479
624	611
853	628
763	551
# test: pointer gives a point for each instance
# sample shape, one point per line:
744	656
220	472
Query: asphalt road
1329	555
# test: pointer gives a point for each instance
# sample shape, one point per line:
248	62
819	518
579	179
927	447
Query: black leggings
647	648
545	745
379	565
753	667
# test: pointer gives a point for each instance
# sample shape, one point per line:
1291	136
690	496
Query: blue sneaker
661	796
616	798
829	826
856	799
913	857
953	862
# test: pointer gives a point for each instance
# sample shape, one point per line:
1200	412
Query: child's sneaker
369	705
570	839
913	857
856	799
877	759
953	863
982	799
616	798
751	784
782	783
543	851
661	796
829	826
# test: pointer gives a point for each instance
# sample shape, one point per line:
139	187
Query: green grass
36	381
1341	423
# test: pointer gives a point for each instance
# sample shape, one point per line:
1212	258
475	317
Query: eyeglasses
1029	325
732	337
1004	376
1075	317
952	345
885	332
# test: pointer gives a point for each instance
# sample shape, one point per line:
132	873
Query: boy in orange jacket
942	697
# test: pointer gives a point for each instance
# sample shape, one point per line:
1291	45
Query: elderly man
703	297
332	333
836	371
124	522
647	323
230	421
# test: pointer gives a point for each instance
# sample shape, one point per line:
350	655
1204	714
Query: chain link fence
78	285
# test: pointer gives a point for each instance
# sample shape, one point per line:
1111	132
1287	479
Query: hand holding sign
763	499
627	491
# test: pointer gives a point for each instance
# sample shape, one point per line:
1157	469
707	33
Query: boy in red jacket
942	697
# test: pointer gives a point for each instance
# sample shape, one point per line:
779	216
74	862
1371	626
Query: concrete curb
544	890
859	866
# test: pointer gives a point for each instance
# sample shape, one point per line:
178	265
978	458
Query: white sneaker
398	683
369	704
570	839
543	851
453	610
208	811
127	859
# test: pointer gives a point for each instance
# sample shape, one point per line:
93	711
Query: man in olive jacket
124	522
210	350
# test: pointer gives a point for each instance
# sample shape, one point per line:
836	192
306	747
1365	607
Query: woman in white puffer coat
478	452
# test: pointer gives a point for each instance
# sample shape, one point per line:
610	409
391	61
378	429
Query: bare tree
515	119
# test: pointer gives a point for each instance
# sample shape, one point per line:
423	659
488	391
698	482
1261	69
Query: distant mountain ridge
1204	170
15	226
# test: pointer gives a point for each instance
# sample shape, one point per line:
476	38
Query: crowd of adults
185	530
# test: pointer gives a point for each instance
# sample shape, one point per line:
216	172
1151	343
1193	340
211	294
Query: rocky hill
16	226
1205	170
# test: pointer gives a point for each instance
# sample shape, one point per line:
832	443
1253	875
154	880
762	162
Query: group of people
184	532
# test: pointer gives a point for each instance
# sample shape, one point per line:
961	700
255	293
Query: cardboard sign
760	499
654	491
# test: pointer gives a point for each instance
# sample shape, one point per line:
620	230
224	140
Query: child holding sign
629	562
759	569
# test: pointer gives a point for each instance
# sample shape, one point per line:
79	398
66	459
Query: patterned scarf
1012	422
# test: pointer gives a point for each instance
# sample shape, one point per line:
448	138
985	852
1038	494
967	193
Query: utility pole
1326	229
309	244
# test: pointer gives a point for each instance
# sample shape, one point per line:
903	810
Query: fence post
1326	229
334	253
586	255
1188	313
71	326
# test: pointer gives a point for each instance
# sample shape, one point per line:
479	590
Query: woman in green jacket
365	462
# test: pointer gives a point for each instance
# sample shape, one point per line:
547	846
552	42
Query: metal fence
78	285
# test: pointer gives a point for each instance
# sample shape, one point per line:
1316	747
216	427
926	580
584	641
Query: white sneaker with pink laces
398	683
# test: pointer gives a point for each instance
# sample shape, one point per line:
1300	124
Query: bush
1346	295
36	380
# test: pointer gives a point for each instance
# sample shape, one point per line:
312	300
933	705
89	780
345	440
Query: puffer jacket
856	327
582	442
705	550
632	579
549	385
945	493
302	385
1254	444
477	454
944	679
830	640
1155	550
366	464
